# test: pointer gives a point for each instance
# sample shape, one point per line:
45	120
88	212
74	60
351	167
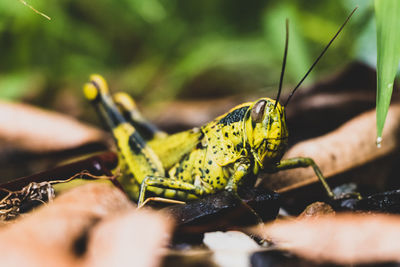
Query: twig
34	10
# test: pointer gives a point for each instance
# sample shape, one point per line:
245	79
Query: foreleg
303	163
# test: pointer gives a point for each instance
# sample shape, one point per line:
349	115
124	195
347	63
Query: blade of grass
388	46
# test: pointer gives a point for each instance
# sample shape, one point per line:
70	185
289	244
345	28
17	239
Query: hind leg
129	109
169	148
137	159
172	188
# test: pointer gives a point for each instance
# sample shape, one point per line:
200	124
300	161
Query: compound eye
258	110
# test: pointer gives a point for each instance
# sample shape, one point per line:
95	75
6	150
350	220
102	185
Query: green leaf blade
388	56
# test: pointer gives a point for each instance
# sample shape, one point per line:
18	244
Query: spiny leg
136	156
129	109
303	163
162	200
169	183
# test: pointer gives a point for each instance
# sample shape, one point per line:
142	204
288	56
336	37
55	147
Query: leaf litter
319	234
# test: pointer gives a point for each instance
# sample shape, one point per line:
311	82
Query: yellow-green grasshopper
220	155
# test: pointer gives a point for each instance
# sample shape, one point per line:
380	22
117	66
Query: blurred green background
162	50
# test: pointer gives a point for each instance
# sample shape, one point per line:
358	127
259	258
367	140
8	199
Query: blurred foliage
160	50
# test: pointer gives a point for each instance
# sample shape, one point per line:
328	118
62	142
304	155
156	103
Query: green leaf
388	46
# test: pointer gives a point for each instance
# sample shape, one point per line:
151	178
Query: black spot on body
209	162
207	171
234	116
226	135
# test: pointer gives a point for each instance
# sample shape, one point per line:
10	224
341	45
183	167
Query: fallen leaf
41	131
100	164
316	210
340	239
92	225
130	239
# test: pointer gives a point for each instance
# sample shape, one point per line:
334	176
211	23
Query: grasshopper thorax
266	131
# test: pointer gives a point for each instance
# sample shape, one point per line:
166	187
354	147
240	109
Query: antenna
320	56
283	64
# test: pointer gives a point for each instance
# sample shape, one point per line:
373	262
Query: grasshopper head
266	131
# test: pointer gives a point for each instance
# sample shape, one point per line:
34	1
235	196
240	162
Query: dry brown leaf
47	235
342	239
351	145
41	131
130	239
316	210
71	230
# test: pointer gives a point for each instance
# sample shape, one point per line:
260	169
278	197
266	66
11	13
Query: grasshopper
221	155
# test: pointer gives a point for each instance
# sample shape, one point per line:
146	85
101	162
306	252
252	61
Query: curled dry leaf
92	225
316	210
41	131
341	239
351	145
130	239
